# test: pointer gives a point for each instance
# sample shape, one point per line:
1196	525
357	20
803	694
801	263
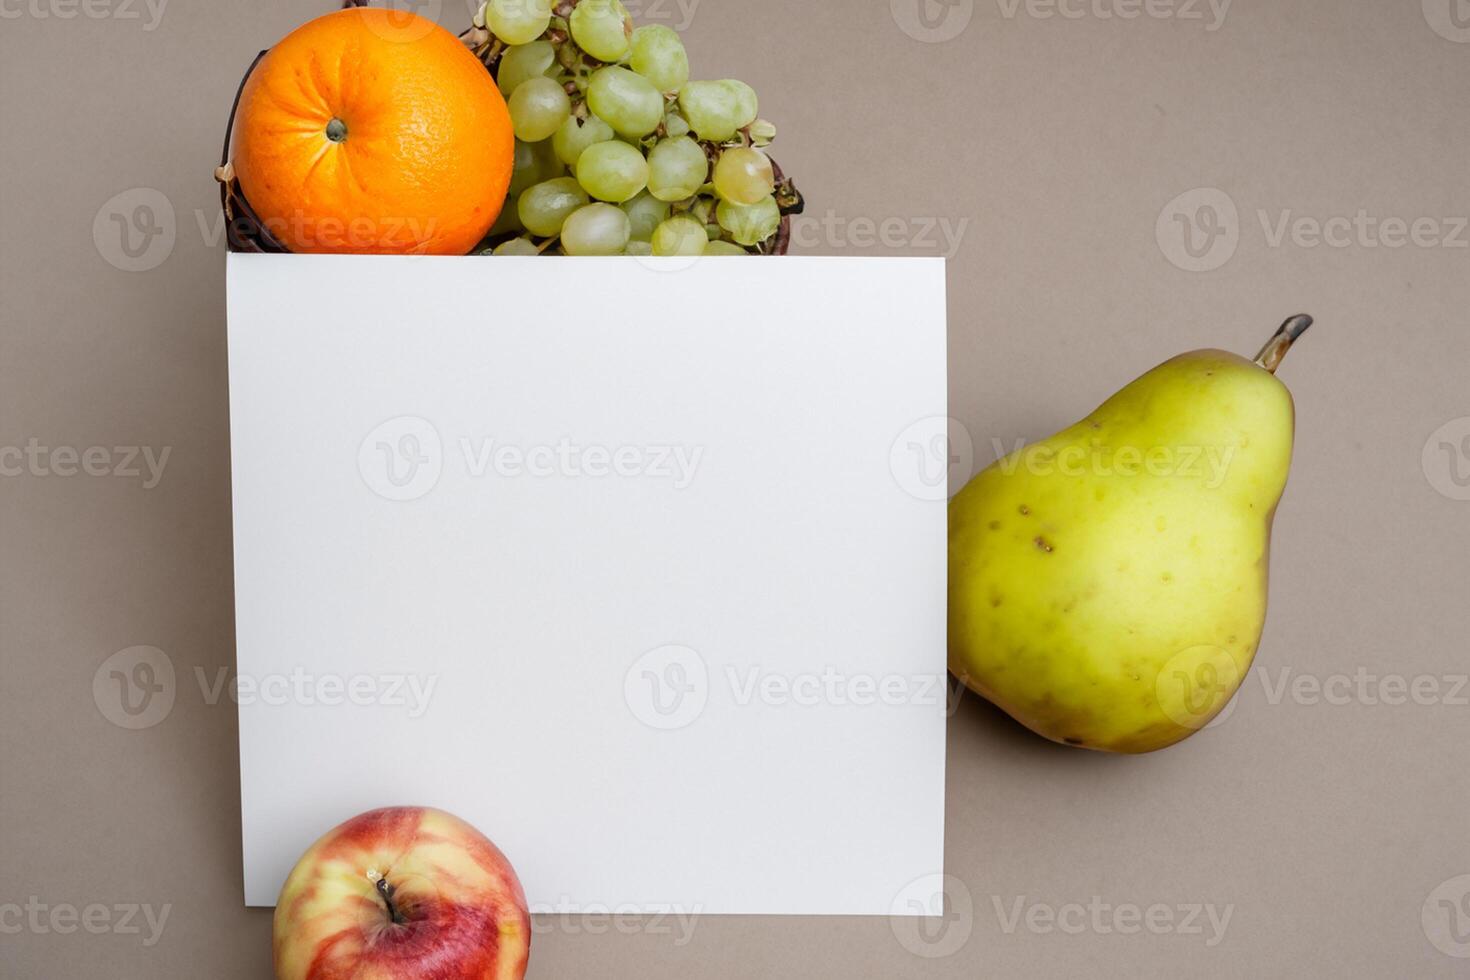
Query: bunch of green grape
617	151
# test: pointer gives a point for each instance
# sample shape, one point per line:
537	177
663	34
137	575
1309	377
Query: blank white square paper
638	566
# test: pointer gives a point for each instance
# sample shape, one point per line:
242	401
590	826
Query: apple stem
386	890
1275	350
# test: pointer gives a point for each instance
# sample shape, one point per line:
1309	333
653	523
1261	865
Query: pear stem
1275	350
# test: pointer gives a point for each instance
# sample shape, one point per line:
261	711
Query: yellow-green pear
1107	587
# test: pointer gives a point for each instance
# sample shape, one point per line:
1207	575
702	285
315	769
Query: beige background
1333	831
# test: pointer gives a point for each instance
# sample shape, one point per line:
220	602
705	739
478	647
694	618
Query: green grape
522	62
644	214
680	235
597	229
575	135
716	111
627	101
612	171
676	169
659	56
723	247
544	207
744	175
712	109
747	106
518	21
534	162
762	132
676	125
636	247
750	224
538	107
602	28
517	246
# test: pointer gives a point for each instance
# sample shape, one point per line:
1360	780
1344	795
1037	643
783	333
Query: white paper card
637	566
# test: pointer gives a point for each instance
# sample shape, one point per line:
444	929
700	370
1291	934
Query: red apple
399	893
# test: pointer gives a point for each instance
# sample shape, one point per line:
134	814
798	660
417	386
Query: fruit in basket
744	176
612	171
518	21
398	893
1108	585
658	55
611	107
677	169
717	110
597	229
602	28
538	107
625	100
370	130
544	208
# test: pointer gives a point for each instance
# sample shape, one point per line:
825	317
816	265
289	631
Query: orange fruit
372	130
